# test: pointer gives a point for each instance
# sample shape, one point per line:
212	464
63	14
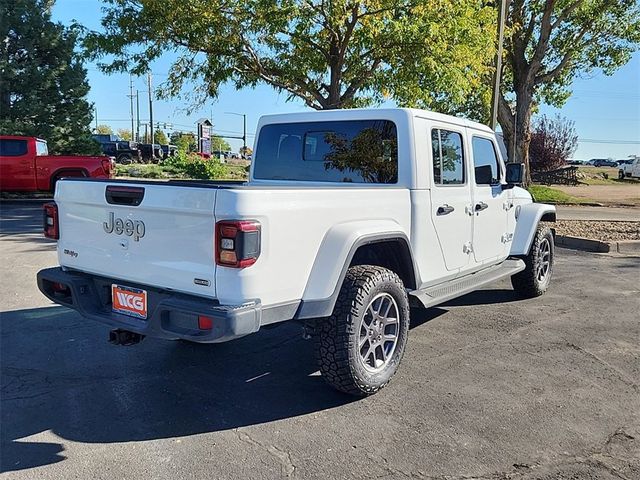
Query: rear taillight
237	243
108	165
51	229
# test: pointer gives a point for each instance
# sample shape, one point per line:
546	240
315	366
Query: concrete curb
629	247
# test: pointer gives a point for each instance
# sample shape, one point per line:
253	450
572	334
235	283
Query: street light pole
244	129
498	73
131	105
137	115
150	106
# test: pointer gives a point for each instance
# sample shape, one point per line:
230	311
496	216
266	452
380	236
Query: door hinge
467	248
507	205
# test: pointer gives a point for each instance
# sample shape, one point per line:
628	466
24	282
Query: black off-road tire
527	283
124	159
338	336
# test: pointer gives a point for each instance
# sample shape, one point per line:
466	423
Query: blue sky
606	110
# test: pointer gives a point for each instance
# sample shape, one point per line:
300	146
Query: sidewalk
566	212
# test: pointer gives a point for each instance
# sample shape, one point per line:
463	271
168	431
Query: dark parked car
123	151
602	162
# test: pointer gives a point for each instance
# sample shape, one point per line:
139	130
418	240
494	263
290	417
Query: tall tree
43	84
330	54
104	129
124	134
219	144
160	137
551	42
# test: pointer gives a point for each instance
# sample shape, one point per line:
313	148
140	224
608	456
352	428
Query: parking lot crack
610	367
283	457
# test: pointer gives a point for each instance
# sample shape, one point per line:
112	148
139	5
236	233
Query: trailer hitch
124	337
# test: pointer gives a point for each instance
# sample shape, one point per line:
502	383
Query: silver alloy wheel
544	261
379	330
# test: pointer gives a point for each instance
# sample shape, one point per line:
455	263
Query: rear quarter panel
49	166
295	222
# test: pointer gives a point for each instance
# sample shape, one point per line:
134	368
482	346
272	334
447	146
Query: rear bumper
171	315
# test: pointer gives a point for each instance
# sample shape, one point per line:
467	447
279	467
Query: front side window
355	151
41	148
448	159
485	161
13	148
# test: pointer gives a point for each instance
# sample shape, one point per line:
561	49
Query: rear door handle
444	210
481	206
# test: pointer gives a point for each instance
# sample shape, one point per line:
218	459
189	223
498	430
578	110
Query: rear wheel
124	159
621	174
361	345
534	280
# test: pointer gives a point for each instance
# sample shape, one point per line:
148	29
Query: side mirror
515	174
484	175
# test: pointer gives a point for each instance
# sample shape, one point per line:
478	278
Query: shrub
193	166
553	142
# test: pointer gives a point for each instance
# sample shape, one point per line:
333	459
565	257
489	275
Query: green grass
544	194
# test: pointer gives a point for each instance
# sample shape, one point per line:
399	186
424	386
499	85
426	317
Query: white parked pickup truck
349	218
630	170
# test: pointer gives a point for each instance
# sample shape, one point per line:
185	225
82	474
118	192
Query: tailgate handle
131	196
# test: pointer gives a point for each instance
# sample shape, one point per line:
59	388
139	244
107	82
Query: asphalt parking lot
490	388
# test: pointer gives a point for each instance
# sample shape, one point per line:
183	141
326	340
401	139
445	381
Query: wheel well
393	254
69	172
548	217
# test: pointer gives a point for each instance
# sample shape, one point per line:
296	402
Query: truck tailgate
166	240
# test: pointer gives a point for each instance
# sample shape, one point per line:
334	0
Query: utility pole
95	109
131	105
244	134
137	115
150	105
498	73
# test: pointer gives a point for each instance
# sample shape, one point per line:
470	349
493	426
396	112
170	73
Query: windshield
358	151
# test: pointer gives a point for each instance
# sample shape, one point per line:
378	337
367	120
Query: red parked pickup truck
26	166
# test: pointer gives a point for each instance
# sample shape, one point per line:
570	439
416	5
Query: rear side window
448	158
484	155
41	148
358	151
13	148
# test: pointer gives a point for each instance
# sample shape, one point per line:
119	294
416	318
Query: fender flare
334	256
527	218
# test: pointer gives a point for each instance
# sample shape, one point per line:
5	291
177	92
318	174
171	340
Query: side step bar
444	292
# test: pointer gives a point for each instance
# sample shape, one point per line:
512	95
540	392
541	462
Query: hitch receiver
124	337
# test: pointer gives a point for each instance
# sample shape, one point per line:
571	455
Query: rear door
451	195
154	234
490	201
17	165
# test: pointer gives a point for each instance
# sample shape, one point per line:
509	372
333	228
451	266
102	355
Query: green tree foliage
160	137
124	134
186	142
330	54
43	85
219	144
550	43
103	129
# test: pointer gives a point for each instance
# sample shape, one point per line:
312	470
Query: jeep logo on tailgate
131	228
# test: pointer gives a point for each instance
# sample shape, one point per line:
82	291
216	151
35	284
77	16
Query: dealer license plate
129	301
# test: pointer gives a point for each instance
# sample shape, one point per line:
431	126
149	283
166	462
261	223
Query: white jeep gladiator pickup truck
349	218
